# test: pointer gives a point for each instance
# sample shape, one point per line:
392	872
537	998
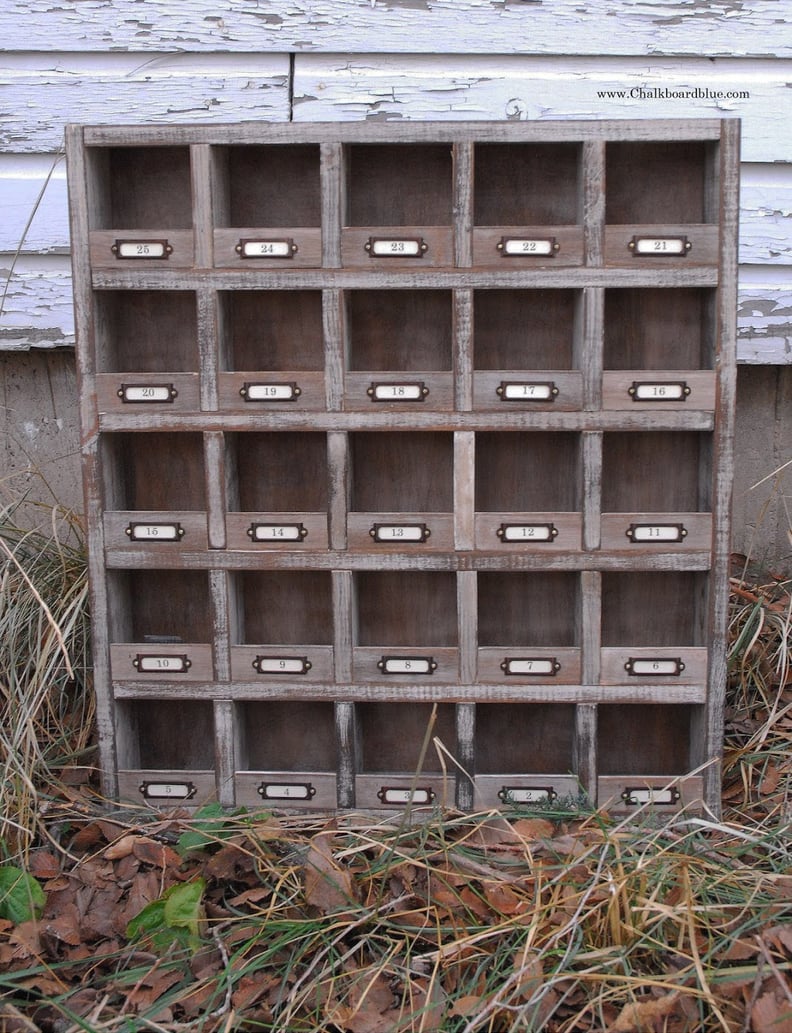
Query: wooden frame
362	457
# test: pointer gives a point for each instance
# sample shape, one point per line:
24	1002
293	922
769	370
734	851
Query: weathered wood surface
349	88
45	92
752	27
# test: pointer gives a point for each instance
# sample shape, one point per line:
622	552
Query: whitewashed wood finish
461	26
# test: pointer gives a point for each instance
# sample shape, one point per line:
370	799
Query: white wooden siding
603	27
135	61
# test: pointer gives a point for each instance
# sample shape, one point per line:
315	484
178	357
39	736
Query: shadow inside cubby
284	607
529	608
140	187
399	184
159	606
410	471
275	185
654	608
525	738
298	735
399	330
406	608
154	471
526	184
658	182
650	328
644	739
656	471
271	330
148	737
392	736
528	472
277	472
146	331
526	329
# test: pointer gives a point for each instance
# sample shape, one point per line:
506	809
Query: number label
395	795
407	665
167	790
286	791
526	391
656	532
654	667
161	663
660	246
281	248
155	532
510	247
401	247
147	393
270	392
531	666
400	533
527	532
402	392
282	664
277	532
142	249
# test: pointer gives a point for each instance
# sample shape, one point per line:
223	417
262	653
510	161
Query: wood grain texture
652	27
50	92
344	88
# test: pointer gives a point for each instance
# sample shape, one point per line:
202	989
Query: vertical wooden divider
593	201
333	202
463	204
466	755
217	479
463	350
585	752
82	196
711	735
200	165
226	747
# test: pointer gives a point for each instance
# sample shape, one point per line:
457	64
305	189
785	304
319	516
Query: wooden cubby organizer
393	424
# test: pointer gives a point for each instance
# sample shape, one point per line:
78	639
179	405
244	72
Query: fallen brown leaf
642	1016
328	886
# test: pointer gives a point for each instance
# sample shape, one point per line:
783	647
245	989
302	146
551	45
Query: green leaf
21	897
183	909
150	920
179	908
206	828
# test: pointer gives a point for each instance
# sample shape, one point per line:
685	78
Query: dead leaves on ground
468	924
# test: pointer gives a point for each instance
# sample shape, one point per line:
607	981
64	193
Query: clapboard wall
131	61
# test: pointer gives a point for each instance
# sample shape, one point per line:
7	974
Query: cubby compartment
402	494
286	754
654	628
527	205
406	630
527	350
656	491
644	755
277	490
659	348
271	350
160	625
159	765
529	627
267	206
140	206
399	206
155	491
146	351
525	754
282	626
390	741
400	348
661	202
529	487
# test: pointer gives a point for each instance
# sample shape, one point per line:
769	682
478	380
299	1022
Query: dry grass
560	921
